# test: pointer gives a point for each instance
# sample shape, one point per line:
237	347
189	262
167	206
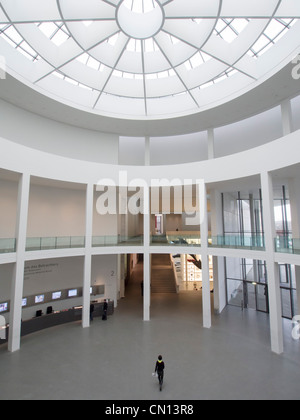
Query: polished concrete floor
114	360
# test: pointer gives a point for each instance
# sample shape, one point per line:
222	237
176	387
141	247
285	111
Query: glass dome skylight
140	58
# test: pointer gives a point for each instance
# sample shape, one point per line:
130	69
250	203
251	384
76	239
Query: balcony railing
7	246
252	242
283	244
117	240
176	239
59	242
287	244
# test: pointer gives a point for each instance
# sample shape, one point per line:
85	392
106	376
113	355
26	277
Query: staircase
162	276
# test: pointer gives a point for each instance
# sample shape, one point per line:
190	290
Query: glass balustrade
117	240
60	242
7	245
283	244
287	244
253	242
180	239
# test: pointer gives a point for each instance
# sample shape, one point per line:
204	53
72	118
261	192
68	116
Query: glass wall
242	218
284	240
288	290
246	280
283	223
247	284
282	212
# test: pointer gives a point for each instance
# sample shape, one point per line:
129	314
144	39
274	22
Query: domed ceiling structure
145	59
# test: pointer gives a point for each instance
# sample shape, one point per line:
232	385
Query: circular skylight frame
140	26
163	75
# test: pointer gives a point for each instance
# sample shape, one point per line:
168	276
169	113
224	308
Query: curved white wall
37	132
252	132
43	134
278	154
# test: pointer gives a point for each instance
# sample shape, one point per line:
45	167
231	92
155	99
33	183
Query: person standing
160	369
105	309
92	309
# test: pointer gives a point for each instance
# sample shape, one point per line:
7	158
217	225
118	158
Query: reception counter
56	318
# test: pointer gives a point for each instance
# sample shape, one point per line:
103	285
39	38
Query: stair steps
162	275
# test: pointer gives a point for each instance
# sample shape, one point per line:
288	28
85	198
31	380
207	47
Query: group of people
105	309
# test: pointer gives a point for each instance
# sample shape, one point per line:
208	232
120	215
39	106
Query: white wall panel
249	133
8	208
60	139
132	151
174	150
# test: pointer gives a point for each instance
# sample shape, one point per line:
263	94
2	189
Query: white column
147	151
205	258
147	257
276	326
211	143
147	286
123	274
119	275
218	262
88	256
286	117
119	154
14	340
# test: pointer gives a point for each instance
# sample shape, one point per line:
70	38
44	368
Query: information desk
57	318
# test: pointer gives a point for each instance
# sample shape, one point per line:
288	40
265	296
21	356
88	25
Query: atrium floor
114	360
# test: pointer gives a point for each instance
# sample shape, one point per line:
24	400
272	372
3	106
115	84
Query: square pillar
286	117
206	302
276	326
14	339
147	151
147	256
147	286
218	262
211	144
88	256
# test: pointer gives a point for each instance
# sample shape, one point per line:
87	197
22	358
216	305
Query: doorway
256	297
246	284
159	224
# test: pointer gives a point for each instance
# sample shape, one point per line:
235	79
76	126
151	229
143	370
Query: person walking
105	309
160	369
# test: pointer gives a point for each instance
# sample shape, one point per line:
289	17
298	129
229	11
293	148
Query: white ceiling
127	63
263	97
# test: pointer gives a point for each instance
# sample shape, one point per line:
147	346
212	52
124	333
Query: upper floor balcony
283	244
286	244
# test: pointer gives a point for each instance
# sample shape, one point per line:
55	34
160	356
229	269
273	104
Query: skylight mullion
54	33
227	30
112	71
233	29
5	27
177	74
287	25
144	77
